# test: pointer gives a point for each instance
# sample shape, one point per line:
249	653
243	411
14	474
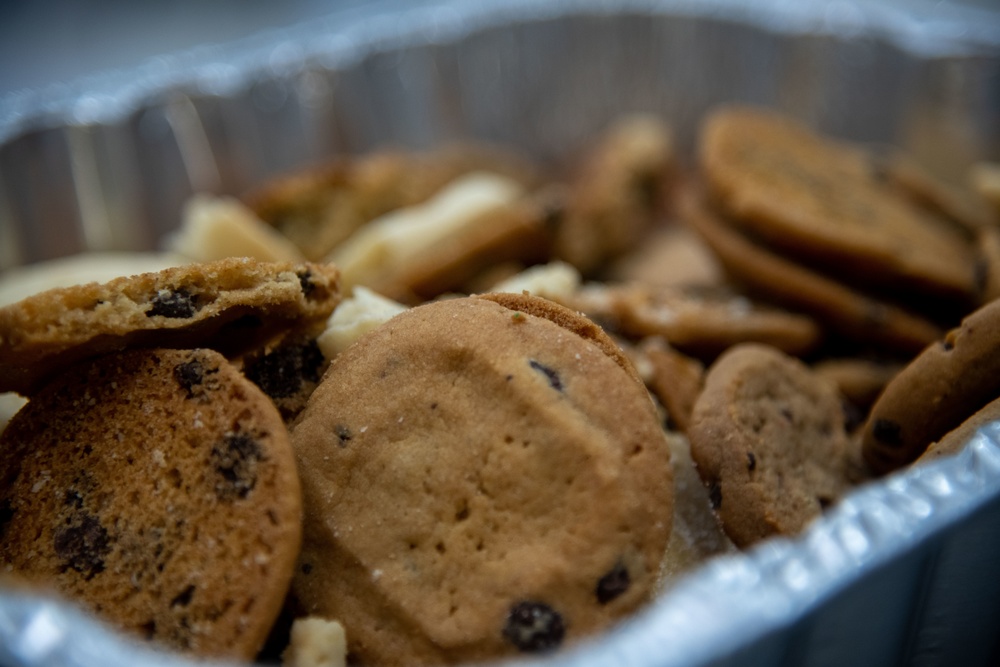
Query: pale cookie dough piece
219	227
316	642
10	403
232	305
425	536
768	437
158	490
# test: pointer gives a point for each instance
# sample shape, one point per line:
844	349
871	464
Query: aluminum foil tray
902	572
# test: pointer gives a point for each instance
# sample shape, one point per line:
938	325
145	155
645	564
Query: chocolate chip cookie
768	437
232	305
481	478
158	489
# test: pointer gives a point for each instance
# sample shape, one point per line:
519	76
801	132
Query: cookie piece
964	207
480	480
158	489
232	305
848	312
819	199
670	255
768	438
616	193
859	380
949	381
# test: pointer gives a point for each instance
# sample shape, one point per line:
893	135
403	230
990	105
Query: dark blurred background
47	41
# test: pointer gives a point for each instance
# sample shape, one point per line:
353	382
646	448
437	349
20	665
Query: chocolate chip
534	627
305	281
189	375
343	434
887	432
949	340
282	373
549	374
751	461
613	584
307	568
715	495
177	303
183	598
235	459
82	545
6	515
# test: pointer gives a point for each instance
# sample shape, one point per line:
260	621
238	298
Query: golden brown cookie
481	479
859	380
288	368
768	438
669	255
699	320
819	199
232	305
158	489
616	193
848	312
949	381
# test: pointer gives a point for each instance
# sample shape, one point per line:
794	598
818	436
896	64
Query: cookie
852	314
769	441
480	479
965	207
859	380
232	305
819	199
949	381
616	193
157	489
700	320
988	244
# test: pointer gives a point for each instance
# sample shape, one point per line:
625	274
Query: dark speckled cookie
769	441
819	199
232	305
937	391
156	488
482	477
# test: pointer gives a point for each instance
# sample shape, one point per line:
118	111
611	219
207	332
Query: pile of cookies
453	406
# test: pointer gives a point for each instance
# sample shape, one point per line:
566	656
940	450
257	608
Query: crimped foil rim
345	36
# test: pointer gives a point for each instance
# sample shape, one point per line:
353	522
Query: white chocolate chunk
219	227
354	317
556	281
316	642
402	234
